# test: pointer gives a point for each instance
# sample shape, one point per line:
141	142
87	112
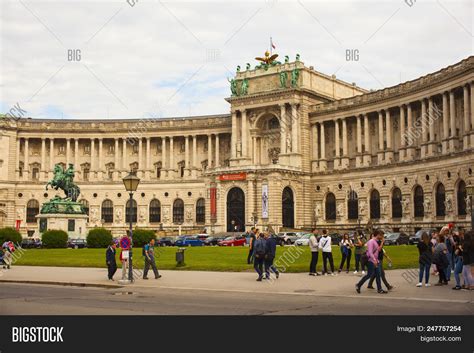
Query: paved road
27	299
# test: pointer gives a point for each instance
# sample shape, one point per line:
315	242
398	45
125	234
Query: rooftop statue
267	61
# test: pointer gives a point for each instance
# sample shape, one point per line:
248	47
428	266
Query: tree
99	238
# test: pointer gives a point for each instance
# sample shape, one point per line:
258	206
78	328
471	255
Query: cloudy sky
173	58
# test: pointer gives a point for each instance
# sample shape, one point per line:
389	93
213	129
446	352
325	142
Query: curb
71	284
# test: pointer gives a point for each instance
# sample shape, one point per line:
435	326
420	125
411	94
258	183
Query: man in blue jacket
110	260
270	253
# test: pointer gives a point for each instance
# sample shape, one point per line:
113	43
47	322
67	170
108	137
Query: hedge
10	234
99	238
142	236
54	239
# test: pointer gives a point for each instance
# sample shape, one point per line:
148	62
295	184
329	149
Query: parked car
165	241
213	240
189	241
77	243
396	239
415	239
30	243
303	240
202	236
232	241
287	237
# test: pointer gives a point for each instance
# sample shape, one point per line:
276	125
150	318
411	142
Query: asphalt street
28	299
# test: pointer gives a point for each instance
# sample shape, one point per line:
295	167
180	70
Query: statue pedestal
73	224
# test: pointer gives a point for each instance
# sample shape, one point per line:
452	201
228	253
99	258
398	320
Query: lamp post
470	193
131	182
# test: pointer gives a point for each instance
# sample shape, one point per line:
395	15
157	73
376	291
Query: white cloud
141	56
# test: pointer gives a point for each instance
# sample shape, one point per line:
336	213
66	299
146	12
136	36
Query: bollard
180	257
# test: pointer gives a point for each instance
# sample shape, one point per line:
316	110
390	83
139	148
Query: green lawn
293	259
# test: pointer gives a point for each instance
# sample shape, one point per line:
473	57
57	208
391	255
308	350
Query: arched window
352	205
288	208
200	211
32	209
131	213
396	203
374	204
330	206
107	212
418	198
155	211
461	196
273	124
440	199
85	205
178	211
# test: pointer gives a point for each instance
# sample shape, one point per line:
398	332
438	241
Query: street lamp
470	193
131	182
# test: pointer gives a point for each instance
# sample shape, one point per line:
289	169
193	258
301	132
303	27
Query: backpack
259	246
144	250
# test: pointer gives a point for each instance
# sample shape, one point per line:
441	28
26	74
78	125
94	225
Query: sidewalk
243	282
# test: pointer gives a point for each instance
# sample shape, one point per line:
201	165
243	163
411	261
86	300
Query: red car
232	241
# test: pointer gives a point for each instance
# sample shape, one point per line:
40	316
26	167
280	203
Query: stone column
93	168
359	141
233	147
243	114
51	155
68	152
148	158
345	149
467	128
125	166
140	157
217	161
431	128
388	129
187	164
315	151
471	105
43	158
171	166
410	154
367	159
402	151
17	169
26	159
101	159
380	153
337	147
452	119
283	128
254	150
294	128
209	151
445	123
323	166
116	159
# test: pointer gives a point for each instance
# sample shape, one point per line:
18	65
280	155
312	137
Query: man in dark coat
110	260
270	252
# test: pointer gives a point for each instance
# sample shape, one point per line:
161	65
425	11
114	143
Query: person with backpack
259	255
314	248
440	259
149	254
110	260
325	246
346	246
450	247
270	253
373	249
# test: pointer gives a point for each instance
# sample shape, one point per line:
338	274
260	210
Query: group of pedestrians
450	252
148	253
262	249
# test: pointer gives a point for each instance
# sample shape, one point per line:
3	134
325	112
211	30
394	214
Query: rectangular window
71	225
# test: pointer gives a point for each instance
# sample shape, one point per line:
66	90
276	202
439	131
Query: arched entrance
288	208
235	210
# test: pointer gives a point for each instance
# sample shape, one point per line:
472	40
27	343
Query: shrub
10	234
54	239
99	238
142	236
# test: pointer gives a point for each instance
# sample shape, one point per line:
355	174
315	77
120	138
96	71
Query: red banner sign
213	192
17	224
233	177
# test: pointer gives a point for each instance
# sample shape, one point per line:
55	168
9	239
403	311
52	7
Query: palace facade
298	149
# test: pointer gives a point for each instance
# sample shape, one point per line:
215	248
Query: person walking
5	258
149	254
251	241
467	248
346	246
270	253
382	254
359	249
440	259
259	255
325	246
110	260
373	249
458	260
425	258
314	248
